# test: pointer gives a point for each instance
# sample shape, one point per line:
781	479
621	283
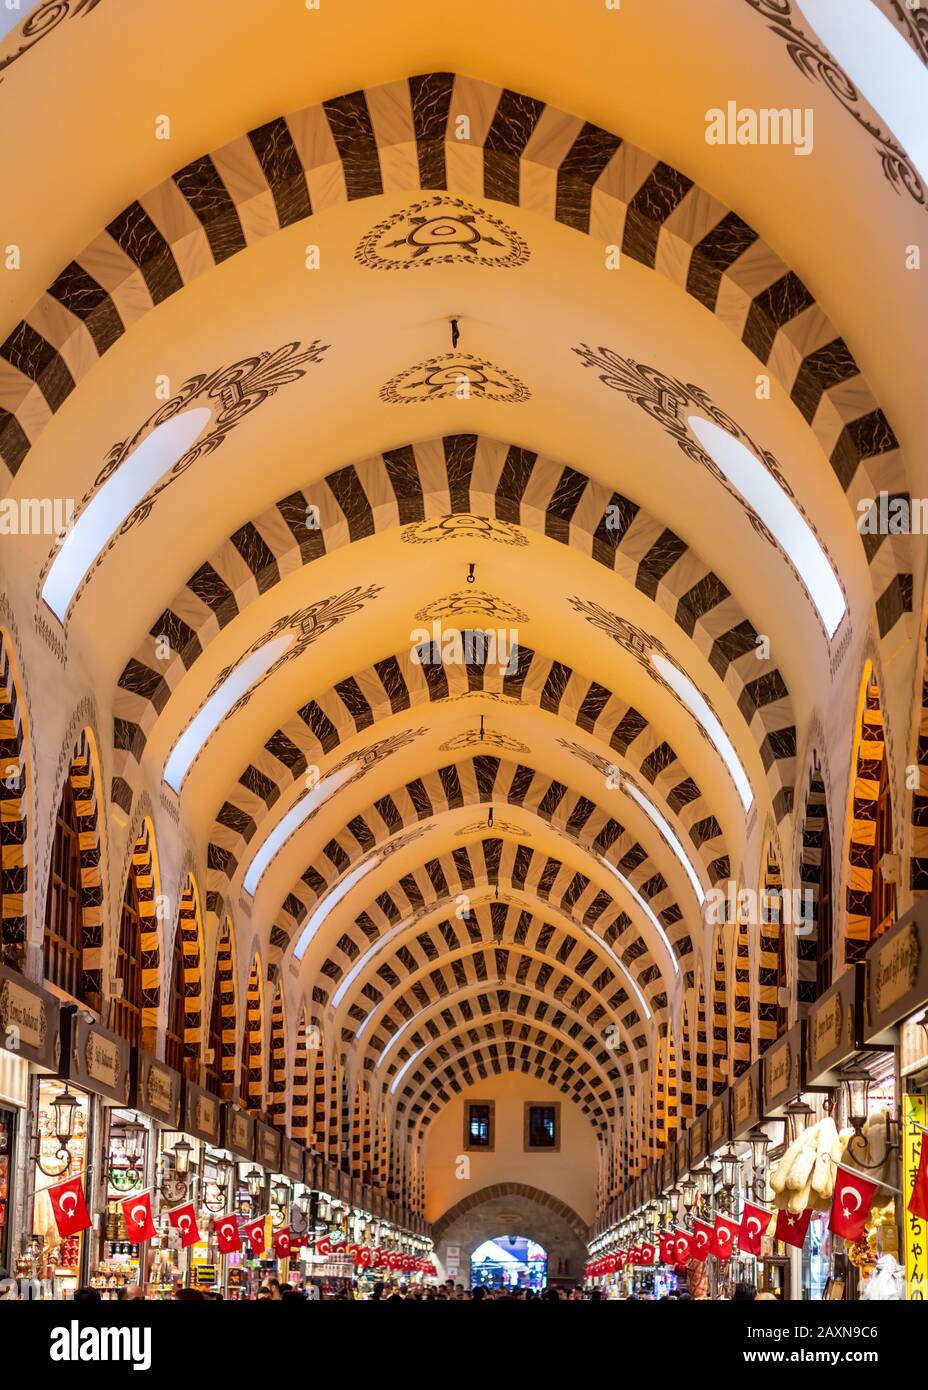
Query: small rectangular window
543	1127
478	1125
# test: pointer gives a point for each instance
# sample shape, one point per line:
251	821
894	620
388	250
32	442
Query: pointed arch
720	1067
871	898
277	1063
815	944
300	1092
15	791
184	1025
772	1014
72	942
220	1067
134	1011
701	1063
319	1100
742	1048
251	1076
687	1078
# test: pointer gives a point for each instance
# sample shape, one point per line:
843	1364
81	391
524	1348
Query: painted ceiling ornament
462	526
815	61
504	826
460	375
464	602
42	21
443	230
483	738
231	394
669	401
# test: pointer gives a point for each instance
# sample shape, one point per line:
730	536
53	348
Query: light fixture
759	1142
856	1083
798	1118
703	1176
182	1151
673	1201
689	1194
62	1111
730	1165
281	1193
254	1181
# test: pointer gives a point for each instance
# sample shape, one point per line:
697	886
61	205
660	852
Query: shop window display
57	1259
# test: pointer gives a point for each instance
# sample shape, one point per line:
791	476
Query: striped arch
15	845
300	1124
190	926
224	987
334	1113
398	683
82	775
720	1064
815	830
701	1093
251	1083
479	781
687	1050
742	1051
771	975
148	888
460	474
317	1134
918	864
479	1063
869	758
277	1063
580	175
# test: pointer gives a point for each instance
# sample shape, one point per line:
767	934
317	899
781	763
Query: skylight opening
328	905
779	514
698	706
105	513
299	812
881	65
647	912
663	825
204	724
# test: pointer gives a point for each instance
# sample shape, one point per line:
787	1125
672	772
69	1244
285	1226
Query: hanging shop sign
915	1120
699	1139
897	975
313	1170
157	1089
682	1147
267	1146
719	1113
833	1028
292	1160
202	1111
668	1169
95	1059
29	1021
783	1069
238	1131
746	1101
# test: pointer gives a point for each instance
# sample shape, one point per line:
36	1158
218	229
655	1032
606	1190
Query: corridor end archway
517	1208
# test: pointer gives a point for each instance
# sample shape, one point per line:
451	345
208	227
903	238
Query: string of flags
853	1197
69	1208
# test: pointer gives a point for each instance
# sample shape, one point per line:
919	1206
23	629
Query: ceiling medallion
454	375
465	601
504	826
462	526
441	231
483	738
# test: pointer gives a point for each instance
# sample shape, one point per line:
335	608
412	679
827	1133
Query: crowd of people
274	1291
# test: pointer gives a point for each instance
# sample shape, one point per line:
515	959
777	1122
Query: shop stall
896	1017
37	1153
248	1184
157	1099
211	1185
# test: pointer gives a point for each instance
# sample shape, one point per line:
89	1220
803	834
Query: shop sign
239	1132
293	1160
668	1169
95	1059
699	1139
914	1115
745	1101
267	1146
897	974
158	1090
312	1170
783	1070
683	1154
719	1113
29	1021
201	1113
832	1028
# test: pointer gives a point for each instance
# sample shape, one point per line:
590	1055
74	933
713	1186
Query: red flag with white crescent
851	1204
137	1214
283	1244
754	1223
227	1236
723	1238
68	1206
792	1228
646	1253
918	1202
253	1232
324	1246
702	1240
184	1220
667	1248
682	1247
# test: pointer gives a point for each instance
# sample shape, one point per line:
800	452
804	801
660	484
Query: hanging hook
455	333
471	577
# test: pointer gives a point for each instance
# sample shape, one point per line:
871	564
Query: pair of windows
541	1126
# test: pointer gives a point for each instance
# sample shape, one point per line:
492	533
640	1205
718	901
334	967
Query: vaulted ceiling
277	230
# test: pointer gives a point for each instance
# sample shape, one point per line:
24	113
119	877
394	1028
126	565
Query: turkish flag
792	1228
851	1204
667	1248
68	1206
682	1247
646	1253
254	1234
723	1238
227	1236
137	1214
702	1239
918	1202
754	1223
184	1219
283	1244
324	1246
365	1258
